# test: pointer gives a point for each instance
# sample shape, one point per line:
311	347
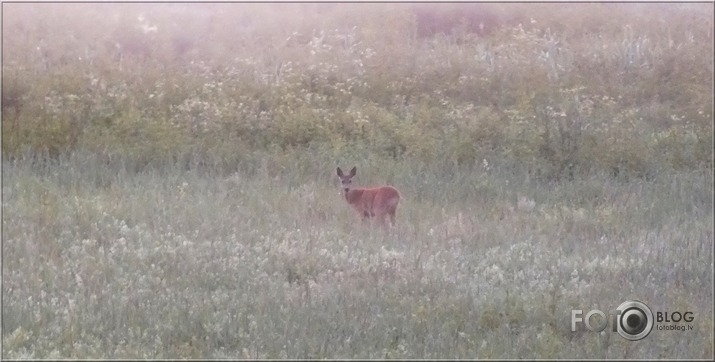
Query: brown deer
370	202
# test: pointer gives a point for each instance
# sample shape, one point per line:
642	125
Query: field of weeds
169	182
172	263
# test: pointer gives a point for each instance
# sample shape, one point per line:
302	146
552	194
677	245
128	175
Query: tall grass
562	90
169	189
271	263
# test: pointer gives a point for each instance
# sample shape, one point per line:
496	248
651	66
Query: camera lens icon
635	320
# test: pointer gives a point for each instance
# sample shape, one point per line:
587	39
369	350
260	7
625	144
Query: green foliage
103	261
168	178
559	90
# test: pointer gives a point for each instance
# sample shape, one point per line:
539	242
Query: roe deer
370	202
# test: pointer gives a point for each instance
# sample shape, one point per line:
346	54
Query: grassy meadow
169	187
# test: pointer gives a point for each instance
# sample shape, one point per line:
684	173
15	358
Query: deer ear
340	172
353	171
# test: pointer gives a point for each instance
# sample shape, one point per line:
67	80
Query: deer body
376	202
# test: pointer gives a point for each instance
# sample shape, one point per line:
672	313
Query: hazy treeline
555	88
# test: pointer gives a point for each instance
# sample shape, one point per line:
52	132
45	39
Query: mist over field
169	183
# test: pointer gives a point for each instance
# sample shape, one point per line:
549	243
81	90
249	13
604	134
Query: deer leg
365	216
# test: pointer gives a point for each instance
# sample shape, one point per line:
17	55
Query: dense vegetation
556	88
169	189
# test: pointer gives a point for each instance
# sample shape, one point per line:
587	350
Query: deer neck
352	196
